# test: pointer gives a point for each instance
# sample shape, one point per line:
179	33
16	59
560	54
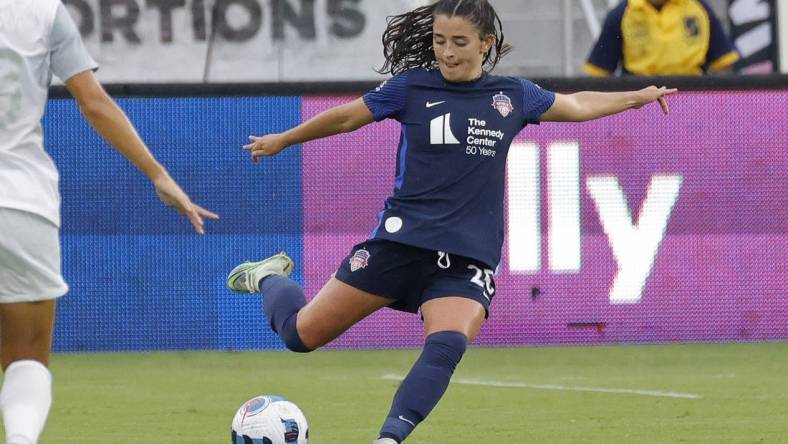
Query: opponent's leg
303	327
449	324
26	395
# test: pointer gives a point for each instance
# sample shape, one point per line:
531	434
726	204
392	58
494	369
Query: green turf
190	398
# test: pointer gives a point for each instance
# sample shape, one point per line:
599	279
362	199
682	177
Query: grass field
723	393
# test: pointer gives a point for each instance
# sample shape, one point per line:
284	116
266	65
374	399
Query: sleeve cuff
595	71
375	110
79	70
724	62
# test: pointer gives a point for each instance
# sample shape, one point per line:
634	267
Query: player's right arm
340	119
386	101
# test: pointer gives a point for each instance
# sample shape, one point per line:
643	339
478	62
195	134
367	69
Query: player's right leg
30	281
303	327
336	307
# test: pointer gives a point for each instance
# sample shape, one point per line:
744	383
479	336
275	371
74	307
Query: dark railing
694	83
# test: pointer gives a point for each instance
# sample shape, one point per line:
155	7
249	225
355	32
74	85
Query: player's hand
268	145
652	93
172	195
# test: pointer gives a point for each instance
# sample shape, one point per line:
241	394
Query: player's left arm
70	61
109	120
590	105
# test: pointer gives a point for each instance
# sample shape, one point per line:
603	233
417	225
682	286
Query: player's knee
291	337
21	349
296	345
308	340
446	348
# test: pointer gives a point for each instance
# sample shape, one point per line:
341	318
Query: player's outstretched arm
590	105
340	119
112	124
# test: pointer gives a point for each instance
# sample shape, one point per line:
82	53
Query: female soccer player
440	234
38	38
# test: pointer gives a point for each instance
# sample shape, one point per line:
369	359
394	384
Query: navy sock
426	383
282	299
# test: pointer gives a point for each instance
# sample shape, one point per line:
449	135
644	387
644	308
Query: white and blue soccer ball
269	420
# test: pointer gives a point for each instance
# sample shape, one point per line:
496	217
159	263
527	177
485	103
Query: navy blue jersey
449	185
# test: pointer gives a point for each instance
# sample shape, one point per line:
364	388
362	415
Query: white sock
25	399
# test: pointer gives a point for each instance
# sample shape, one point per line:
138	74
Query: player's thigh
335	308
26	331
30	281
453	313
30	267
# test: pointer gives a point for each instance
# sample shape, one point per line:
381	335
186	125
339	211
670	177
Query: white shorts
29	258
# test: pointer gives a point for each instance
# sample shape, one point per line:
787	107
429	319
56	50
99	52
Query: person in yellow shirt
661	37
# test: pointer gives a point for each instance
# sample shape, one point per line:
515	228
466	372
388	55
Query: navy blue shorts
412	275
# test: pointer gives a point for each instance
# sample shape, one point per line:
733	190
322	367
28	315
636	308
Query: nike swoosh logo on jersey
431	104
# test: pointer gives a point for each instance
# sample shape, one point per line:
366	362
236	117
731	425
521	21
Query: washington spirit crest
359	260
503	104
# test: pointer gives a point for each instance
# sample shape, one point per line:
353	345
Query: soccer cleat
384	441
245	277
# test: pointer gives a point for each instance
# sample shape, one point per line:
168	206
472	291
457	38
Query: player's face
458	47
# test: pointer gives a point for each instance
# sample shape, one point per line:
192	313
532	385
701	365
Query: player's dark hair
407	40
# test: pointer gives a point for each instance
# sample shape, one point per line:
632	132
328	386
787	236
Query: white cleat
384	441
245	277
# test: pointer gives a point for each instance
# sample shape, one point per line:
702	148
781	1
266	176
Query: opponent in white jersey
38	39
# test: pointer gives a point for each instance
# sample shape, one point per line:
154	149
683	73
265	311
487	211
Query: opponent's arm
340	119
112	124
590	105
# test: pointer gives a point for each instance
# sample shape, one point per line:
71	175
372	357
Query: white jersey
37	38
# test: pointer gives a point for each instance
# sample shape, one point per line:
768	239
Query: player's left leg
449	324
26	395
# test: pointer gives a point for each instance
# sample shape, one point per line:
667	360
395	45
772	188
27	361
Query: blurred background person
661	37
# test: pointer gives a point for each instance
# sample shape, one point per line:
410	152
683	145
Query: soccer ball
269	420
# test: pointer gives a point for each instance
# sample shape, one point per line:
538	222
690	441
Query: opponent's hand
652	93
268	145
172	195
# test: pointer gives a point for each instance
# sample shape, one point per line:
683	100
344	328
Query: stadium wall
638	228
